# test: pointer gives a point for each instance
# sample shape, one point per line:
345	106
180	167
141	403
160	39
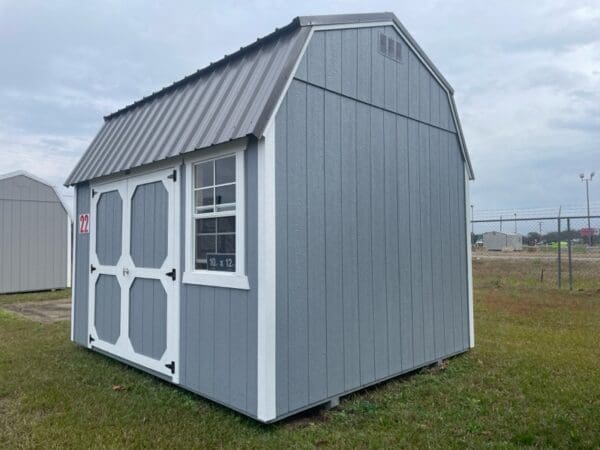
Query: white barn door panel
134	301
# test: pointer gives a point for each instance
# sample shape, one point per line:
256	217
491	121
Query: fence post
569	253
559	261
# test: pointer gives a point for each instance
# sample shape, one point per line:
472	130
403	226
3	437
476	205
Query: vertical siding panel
455	244
281	311
391	243
349	245
404	244
333	60
435	102
436	249
378	243
415	244
315	208
391	85
252	271
364	64
316	59
413	86
424	94
221	367
81	269
377	70
193	336
238	355
447	246
426	237
402	81
333	245
297	256
206	348
349	62
365	276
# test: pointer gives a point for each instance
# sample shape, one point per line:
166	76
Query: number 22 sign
84	223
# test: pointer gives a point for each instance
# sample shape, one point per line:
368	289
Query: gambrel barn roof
232	98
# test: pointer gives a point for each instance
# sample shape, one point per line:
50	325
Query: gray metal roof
227	100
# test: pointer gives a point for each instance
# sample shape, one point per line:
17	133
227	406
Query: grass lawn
532	380
35	296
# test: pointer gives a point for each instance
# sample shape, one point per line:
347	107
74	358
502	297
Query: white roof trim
24	173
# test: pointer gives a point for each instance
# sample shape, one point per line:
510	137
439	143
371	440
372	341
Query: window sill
225	280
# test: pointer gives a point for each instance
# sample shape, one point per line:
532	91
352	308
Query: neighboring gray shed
35	235
497	241
285	226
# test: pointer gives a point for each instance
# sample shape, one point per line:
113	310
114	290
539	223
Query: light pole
471	222
587	195
515	223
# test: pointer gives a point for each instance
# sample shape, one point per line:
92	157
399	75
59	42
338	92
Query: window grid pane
214	215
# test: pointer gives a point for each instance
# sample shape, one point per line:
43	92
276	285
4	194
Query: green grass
35	296
533	380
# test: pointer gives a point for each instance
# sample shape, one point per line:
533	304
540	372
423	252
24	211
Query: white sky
526	76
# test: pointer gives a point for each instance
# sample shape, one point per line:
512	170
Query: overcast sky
526	76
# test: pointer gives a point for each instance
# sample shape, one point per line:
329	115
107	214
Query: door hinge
171	366
91	339
92	268
93	192
172	274
173	176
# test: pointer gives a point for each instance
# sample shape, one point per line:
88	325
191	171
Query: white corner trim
469	259
266	377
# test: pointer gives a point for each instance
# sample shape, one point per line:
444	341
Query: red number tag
84	223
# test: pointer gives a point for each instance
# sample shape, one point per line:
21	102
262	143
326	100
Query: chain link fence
553	252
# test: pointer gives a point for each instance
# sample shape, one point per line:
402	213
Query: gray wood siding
109	228
33	237
107	314
347	62
219	325
370	239
149	223
81	270
148	317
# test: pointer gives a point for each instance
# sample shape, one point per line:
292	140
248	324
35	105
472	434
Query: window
215	225
214	215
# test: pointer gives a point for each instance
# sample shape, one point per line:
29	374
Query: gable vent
390	48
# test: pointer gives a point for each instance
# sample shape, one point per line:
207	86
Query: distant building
498	241
35	235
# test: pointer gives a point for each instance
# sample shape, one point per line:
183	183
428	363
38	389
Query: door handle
125	271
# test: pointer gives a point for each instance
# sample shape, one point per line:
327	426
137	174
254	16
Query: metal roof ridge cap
339	19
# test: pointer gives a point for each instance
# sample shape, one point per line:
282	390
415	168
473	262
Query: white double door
134	298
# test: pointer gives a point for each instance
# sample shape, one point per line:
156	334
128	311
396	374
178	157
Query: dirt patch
47	311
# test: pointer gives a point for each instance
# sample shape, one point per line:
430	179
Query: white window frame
191	275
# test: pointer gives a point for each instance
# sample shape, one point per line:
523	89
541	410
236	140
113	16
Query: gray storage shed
284	226
35	235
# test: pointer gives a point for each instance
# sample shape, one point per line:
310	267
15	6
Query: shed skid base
332	403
